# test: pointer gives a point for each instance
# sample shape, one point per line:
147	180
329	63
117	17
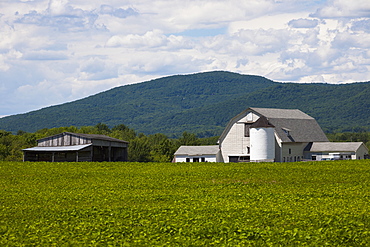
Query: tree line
142	148
351	137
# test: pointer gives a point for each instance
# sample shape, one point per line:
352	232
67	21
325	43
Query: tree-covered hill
202	103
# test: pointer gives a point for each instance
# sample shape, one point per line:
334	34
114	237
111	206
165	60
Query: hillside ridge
202	103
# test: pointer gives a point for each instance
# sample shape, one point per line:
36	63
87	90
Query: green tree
4	151
87	130
139	150
188	139
123	132
30	140
163	152
10	147
102	129
209	140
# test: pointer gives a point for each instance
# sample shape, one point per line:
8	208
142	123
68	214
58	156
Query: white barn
283	133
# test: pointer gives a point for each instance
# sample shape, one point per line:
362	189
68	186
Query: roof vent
286	131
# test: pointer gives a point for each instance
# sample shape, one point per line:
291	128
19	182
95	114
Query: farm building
336	151
68	146
279	135
198	154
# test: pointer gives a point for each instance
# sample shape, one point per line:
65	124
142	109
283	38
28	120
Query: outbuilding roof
334	146
58	148
198	150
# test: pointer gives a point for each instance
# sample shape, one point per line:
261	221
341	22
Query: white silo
262	140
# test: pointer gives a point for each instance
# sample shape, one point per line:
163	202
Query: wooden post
109	152
77	156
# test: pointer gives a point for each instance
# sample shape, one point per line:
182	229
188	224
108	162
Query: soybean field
185	204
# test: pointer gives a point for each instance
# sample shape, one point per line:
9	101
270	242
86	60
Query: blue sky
56	51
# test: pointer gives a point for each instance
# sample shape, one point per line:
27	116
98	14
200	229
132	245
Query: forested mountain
202	103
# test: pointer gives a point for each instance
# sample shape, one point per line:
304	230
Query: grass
190	204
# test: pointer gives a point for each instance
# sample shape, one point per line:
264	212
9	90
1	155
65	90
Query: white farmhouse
274	135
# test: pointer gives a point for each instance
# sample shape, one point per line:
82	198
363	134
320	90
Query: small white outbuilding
198	154
336	151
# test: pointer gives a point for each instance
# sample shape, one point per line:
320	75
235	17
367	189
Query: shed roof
88	136
334	146
198	150
58	148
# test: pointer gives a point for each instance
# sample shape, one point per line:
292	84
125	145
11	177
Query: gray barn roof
197	150
298	130
334	146
281	113
291	125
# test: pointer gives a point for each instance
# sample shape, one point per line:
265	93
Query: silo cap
262	122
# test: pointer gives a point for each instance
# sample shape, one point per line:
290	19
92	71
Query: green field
190	204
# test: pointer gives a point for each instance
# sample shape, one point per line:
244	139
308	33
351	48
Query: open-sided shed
68	147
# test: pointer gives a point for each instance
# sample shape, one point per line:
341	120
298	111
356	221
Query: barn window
244	158
195	159
246	129
203	159
187	159
290	151
233	159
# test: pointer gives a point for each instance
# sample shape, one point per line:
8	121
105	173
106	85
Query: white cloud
344	8
45	55
59	7
361	26
117	12
61	50
150	39
96	68
303	23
